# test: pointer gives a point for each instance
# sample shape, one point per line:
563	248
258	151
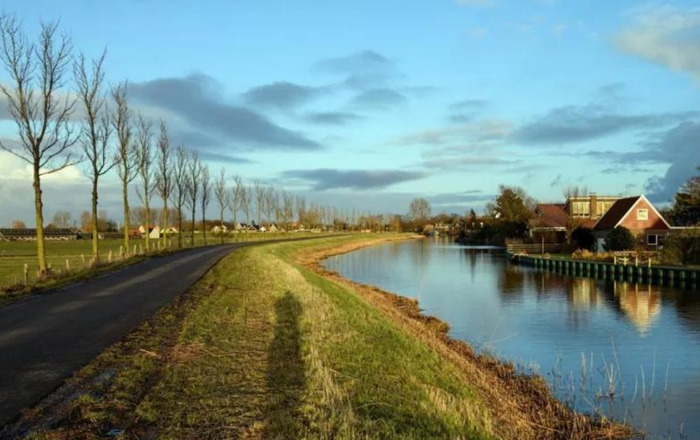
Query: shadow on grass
286	372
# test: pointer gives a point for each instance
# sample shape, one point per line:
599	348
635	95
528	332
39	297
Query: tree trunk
165	221
193	214
95	242
221	230
127	220
148	224
204	226
39	207
179	227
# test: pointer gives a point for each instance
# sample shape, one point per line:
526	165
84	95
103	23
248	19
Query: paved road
45	338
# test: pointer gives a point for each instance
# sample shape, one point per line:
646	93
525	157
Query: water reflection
551	321
641	304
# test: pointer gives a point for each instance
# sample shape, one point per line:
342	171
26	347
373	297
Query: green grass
269	349
75	255
265	347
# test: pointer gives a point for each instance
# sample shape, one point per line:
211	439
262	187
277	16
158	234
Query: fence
534	248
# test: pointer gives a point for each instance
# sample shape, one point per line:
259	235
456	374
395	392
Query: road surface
45	338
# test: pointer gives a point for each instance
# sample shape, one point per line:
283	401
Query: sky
367	104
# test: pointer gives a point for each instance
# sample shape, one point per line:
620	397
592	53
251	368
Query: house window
652	240
642	214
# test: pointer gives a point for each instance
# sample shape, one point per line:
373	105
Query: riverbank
682	276
270	345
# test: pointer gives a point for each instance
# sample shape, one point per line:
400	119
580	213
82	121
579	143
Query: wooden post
141	248
82	256
26	273
121	251
67	264
134	253
109	258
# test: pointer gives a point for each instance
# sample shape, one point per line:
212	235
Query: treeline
66	115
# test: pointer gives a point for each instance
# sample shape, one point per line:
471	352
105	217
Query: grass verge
269	345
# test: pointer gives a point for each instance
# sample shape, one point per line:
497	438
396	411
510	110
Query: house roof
551	215
616	213
619	211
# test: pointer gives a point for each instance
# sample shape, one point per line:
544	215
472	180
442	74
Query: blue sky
367	104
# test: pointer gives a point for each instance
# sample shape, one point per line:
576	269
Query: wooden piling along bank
660	275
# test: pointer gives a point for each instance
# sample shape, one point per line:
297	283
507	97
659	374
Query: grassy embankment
70	260
268	345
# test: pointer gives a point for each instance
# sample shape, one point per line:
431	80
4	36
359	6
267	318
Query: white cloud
665	35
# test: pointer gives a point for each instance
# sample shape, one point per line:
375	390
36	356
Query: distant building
550	222
152	231
590	207
29	234
219	229
639	216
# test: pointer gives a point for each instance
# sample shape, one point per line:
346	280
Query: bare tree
301	209
246	197
164	179
127	154
18	224
37	73
95	132
269	203
288	209
193	187
179	190
144	139
205	199
259	199
575	191
236	199
222	198
62	219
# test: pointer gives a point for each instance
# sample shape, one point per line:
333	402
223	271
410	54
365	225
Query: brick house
550	223
589	207
639	216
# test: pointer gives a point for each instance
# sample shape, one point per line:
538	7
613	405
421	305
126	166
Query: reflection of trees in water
511	281
421	252
687	306
639	303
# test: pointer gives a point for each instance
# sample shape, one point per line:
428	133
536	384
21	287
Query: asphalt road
45	338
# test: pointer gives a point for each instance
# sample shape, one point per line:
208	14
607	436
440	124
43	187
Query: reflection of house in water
640	303
584	293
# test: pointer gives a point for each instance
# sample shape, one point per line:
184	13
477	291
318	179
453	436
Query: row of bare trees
66	115
60	126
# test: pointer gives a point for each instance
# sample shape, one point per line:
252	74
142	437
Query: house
220	229
170	230
273	228
590	207
29	234
151	230
550	223
639	216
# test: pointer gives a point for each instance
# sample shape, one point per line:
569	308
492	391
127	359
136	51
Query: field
267	345
74	256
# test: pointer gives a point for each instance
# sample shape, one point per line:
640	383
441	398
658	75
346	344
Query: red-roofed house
550	222
639	216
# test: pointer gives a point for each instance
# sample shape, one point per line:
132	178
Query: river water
590	339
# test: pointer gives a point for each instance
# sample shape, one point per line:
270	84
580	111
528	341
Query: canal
631	351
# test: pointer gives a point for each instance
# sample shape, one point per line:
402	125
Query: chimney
594	206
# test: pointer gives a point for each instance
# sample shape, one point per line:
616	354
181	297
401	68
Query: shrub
620	239
682	248
583	237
